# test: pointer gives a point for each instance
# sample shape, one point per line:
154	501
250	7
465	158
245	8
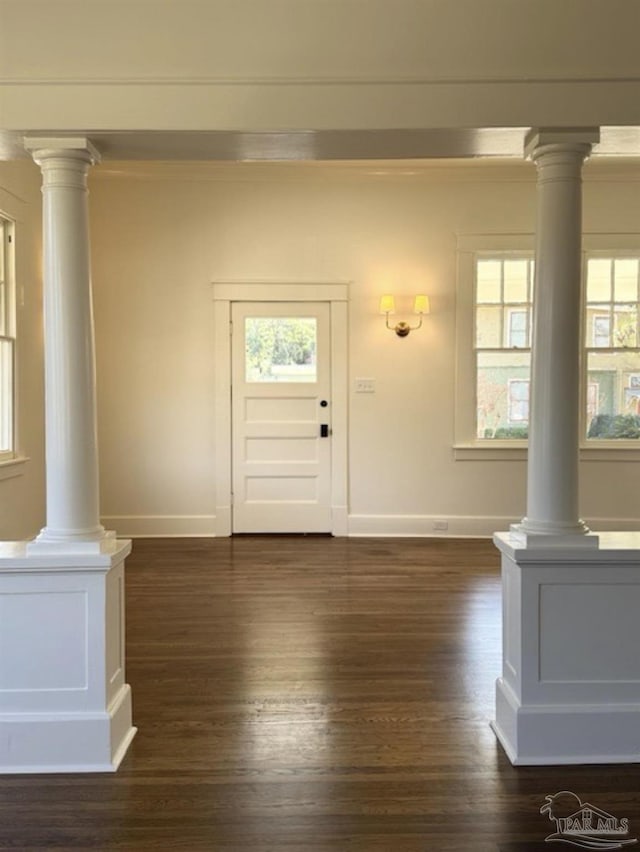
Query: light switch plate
365	385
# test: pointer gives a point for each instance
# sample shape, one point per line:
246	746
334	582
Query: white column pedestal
64	703
570	685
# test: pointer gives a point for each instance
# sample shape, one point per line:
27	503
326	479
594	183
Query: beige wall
311	64
162	234
22	496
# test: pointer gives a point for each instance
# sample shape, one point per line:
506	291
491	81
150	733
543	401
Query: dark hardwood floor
310	695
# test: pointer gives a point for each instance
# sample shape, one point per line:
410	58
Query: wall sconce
402	329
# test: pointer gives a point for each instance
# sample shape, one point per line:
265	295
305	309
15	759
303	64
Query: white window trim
8	456
466	447
11	468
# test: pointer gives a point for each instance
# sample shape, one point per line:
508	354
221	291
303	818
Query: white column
570	685
73	519
65	705
552	496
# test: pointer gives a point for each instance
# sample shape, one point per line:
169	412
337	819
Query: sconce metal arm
402	329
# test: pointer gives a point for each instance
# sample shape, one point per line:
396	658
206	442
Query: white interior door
281	417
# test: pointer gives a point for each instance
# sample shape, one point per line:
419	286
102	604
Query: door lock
324	430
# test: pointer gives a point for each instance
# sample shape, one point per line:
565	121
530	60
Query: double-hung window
7	341
502	346
494	319
612	347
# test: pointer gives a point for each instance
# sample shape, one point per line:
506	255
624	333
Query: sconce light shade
387	304
421	304
402	329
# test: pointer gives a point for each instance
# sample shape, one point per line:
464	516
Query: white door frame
337	294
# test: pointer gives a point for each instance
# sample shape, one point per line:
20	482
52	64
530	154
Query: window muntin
612	348
7	340
502	352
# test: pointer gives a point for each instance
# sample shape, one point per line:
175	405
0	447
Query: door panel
281	372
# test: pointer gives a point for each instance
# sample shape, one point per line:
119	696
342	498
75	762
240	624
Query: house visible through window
518	401
7	340
612	348
502	312
611	355
518	329
601	331
494	314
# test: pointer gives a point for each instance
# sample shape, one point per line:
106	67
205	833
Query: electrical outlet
440	526
365	385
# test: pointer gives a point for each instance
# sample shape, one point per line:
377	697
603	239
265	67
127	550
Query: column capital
580	140
43	148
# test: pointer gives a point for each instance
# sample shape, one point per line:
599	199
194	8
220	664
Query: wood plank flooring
309	694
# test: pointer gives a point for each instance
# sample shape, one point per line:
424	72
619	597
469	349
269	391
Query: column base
539	536
47	543
65	706
565	734
570	685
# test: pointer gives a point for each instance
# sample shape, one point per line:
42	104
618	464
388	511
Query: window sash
502	308
471	248
7	342
613	310
7	396
604	302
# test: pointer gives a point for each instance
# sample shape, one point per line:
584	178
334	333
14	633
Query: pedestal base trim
547	735
67	742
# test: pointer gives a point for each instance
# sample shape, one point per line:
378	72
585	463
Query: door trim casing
337	295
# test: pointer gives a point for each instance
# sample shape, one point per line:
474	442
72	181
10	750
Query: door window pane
280	349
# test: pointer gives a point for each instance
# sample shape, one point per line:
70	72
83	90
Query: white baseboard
613	524
458	526
373	526
423	526
161	526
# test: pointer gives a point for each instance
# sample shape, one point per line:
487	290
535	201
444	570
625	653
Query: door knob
324	430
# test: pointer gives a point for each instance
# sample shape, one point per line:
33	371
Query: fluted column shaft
73	515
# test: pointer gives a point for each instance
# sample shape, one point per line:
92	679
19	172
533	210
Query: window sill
495	451
517	451
10	468
611	451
